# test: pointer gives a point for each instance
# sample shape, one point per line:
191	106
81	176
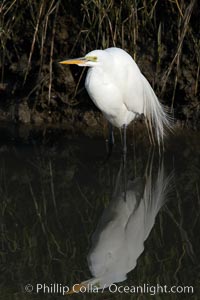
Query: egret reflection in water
119	238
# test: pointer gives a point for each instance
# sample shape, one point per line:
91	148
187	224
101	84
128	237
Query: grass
162	37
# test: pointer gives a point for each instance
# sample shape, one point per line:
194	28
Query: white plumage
123	228
118	240
118	88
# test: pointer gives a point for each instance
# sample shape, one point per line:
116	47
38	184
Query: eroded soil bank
163	38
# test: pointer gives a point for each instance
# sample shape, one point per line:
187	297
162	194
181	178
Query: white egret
119	238
118	88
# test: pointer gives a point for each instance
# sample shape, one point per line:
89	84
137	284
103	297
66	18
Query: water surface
59	201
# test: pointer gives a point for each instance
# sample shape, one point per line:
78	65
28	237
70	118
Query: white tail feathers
155	113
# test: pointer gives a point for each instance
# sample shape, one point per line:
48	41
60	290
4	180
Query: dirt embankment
163	38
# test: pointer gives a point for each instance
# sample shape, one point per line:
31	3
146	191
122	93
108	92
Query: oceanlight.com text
146	288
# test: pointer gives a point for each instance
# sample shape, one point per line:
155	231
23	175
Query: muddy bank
163	37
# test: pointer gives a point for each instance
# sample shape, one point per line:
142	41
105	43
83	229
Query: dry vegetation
162	36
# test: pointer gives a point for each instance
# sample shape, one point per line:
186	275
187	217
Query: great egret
119	238
118	88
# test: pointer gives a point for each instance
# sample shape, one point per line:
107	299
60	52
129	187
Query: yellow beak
75	61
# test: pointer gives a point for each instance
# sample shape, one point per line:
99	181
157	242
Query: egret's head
91	59
107	253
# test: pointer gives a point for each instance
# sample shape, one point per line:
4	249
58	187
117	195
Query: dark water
64	219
